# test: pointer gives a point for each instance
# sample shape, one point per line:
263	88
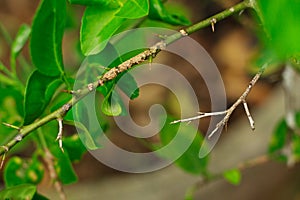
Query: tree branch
228	112
114	72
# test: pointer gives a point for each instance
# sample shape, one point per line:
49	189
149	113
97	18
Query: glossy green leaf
20	40
128	85
73	145
18	171
278	137
23	191
280	19
133	9
112	104
38	93
104	3
159	12
94	33
189	161
63	165
46	37
81	117
233	176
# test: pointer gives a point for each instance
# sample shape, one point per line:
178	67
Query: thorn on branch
11	126
228	112
213	21
3	157
183	32
60	134
251	121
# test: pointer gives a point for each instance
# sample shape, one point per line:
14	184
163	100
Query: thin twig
228	112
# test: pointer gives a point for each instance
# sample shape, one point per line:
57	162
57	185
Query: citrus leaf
278	137
46	37
128	85
133	9
20	40
189	161
104	3
94	33
74	147
233	176
23	191
38	93
18	171
158	12
112	104
63	165
281	33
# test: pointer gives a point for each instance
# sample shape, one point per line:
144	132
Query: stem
114	72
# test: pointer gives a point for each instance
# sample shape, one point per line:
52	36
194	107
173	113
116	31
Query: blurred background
234	47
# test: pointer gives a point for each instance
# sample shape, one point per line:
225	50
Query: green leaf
80	115
295	145
20	40
94	33
279	137
233	176
133	9
24	191
38	93
104	3
18	171
73	145
46	38
280	19
189	161
159	12
63	165
128	85
297	119
112	104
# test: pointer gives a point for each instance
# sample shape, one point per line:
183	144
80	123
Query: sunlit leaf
20	40
38	93
46	38
159	12
133	9
23	191
104	3
189	160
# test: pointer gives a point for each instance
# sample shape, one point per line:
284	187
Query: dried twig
228	112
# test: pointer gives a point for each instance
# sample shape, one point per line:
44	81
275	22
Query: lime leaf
104	3
128	85
296	146
297	119
46	37
81	120
23	191
158	12
38	93
74	147
63	165
279	137
233	176
132	9
112	104
20	40
189	161
94	33
18	171
280	19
